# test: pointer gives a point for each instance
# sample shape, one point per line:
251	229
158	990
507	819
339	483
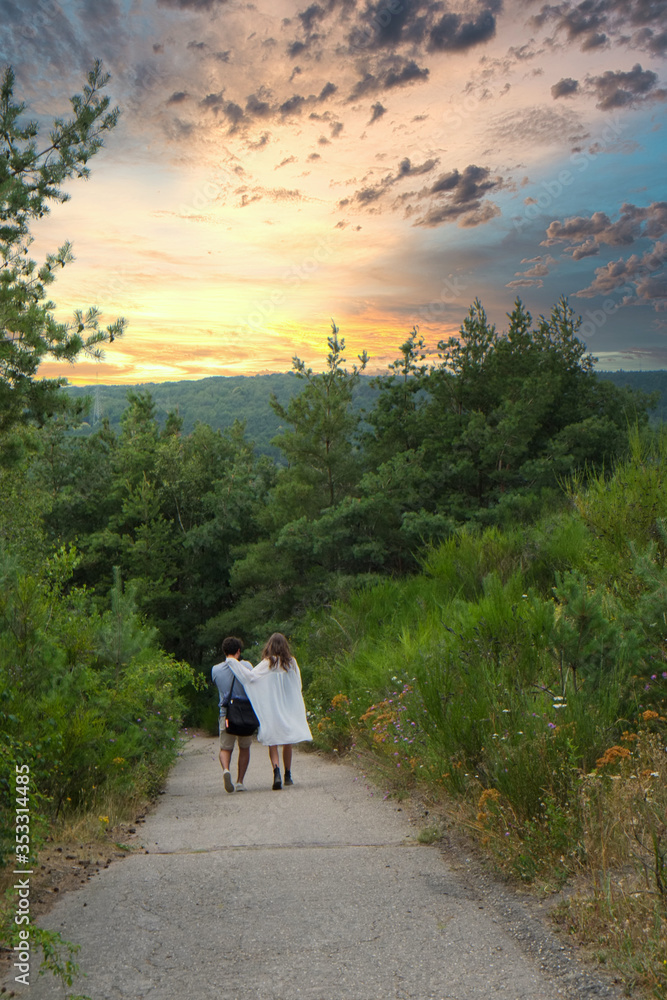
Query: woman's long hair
277	652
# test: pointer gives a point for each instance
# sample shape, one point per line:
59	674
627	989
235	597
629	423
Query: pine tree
320	446
31	175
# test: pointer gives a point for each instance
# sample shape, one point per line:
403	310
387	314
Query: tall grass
524	672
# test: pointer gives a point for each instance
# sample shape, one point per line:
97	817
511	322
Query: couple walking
273	688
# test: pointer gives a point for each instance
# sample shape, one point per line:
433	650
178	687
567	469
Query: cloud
463	198
593	24
619	89
198	5
584	233
453	34
178	97
565	88
643	277
373	192
378	111
401	74
532	278
537	125
388	25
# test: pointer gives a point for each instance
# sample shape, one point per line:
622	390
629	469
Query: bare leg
274	756
226	759
287	756
244	760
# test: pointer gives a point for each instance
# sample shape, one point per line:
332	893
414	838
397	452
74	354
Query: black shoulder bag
241	719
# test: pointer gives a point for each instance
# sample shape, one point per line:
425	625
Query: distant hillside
217	401
220	400
653	381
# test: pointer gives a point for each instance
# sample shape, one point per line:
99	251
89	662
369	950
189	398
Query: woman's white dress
275	694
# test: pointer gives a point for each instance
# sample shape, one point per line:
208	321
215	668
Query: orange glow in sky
280	165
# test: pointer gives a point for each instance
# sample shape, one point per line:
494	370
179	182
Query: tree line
126	555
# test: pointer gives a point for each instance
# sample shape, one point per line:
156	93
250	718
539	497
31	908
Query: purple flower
551	725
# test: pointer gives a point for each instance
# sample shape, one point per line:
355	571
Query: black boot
277	783
288	778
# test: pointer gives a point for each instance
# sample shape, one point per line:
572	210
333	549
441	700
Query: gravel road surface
316	892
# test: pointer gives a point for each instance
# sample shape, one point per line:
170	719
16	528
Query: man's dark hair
231	645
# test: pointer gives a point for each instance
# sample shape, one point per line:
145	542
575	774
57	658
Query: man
223	677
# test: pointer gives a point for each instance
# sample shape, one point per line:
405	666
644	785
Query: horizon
113	385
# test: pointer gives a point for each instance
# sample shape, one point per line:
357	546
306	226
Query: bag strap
229	696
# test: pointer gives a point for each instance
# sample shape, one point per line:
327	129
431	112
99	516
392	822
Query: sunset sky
280	164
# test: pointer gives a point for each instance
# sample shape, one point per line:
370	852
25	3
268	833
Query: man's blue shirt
222	677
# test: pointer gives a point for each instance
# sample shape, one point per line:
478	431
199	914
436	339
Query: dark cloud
472	184
593	23
387	25
192	4
327	90
583	233
310	17
197	46
459	197
565	88
378	110
453	34
179	97
373	192
283	163
618	89
213	101
295	49
399	75
257	108
293	105
222	56
454	197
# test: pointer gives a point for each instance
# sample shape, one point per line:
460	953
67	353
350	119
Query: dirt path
316	892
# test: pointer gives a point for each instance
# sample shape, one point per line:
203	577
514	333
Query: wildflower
612	755
103	819
649	714
551	725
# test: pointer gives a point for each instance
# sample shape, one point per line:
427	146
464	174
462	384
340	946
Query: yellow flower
103	819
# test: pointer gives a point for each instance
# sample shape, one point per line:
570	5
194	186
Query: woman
274	689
